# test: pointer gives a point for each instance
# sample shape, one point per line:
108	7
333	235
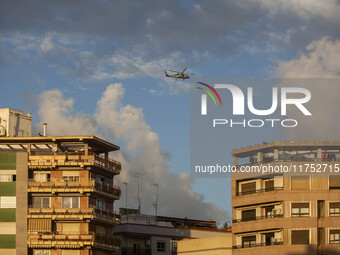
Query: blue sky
81	47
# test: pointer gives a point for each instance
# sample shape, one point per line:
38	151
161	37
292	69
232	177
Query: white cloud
142	151
46	44
317	65
321	60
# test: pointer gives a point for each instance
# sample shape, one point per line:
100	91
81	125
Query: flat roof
289	145
97	144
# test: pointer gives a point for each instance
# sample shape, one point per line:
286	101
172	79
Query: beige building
296	213
57	194
217	245
158	235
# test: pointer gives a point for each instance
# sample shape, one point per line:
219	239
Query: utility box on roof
14	123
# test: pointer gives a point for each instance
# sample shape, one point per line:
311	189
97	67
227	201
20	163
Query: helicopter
177	75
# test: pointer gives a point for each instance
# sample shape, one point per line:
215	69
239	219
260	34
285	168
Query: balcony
259	218
256	245
81	186
66	159
72	240
74	214
258	191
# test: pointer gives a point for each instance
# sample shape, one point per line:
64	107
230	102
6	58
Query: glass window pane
66	202
46	202
304	210
75	202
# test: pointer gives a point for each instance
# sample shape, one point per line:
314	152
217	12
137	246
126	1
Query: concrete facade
289	213
218	245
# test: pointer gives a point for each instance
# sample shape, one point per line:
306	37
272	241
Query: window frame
161	249
299	214
294	230
70	202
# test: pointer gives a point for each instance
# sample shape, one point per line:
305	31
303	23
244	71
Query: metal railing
73	213
256	245
259	218
82	185
43	238
258	191
71	159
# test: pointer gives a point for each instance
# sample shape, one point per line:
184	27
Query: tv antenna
140	183
156	203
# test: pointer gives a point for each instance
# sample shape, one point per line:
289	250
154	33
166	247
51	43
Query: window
300	182
334	236
71	176
71	228
334	182
334	209
269	185
41	202
136	248
100	205
269	211
70	202
248	215
248	241
174	246
300	209
41	252
8	202
160	246
300	236
41	177
99	179
7	177
248	188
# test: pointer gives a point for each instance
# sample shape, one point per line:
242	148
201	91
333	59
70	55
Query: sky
97	67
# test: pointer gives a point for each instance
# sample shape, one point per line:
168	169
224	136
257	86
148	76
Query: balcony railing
258	191
82	185
256	245
65	159
74	214
71	240
259	218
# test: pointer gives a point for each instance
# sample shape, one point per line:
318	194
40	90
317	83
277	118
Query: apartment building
143	234
289	213
57	195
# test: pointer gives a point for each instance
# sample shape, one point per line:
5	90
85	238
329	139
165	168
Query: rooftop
97	145
287	145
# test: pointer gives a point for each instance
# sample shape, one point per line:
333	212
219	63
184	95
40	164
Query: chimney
45	129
